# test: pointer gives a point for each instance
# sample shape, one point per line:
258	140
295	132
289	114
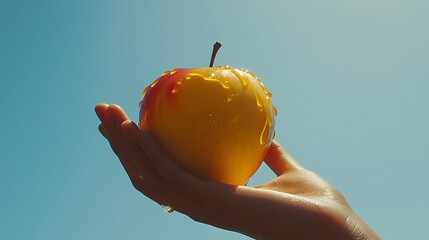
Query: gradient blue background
349	79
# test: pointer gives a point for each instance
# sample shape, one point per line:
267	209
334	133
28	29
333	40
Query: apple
216	122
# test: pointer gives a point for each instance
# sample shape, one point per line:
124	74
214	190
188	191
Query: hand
298	204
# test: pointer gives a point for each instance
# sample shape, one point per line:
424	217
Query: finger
180	189
102	130
279	160
115	143
117	115
143	176
138	156
101	111
172	173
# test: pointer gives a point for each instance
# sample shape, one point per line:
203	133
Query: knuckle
136	182
115	149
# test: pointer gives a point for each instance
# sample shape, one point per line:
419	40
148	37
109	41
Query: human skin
297	204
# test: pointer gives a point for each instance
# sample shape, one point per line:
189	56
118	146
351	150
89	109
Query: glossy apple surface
216	122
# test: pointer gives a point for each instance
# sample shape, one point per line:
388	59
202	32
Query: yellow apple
216	122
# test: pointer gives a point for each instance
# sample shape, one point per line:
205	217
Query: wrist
359	230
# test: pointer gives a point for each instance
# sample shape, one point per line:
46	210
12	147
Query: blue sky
349	80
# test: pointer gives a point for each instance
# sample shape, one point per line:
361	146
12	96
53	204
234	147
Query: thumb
279	160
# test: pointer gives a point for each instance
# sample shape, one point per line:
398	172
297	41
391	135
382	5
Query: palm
307	199
305	184
298	204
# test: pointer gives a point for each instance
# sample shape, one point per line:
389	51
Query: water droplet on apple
249	72
230	97
225	84
170	72
154	83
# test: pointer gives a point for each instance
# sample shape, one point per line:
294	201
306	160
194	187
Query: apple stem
216	47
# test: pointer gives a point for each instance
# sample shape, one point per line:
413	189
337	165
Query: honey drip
217	74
